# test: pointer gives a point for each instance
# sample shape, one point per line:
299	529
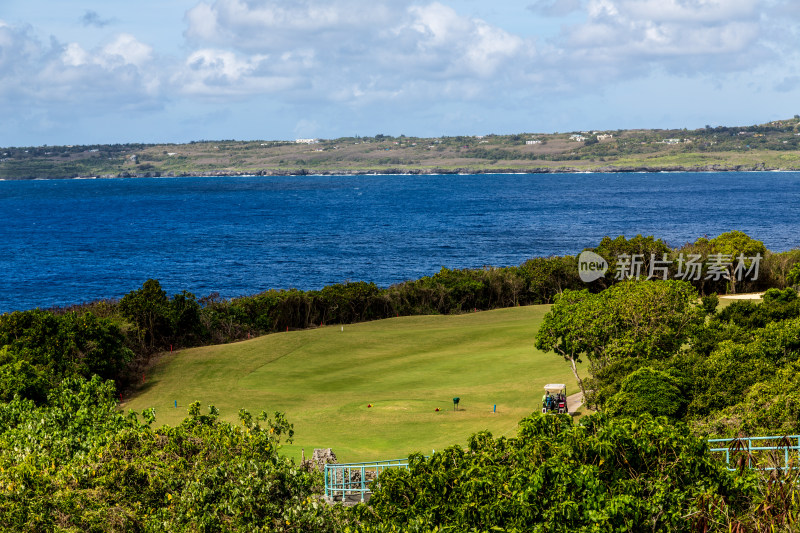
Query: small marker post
495	408
176	404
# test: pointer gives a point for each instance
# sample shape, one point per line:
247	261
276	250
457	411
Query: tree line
116	339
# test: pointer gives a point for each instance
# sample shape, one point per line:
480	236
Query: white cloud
354	50
122	73
17	49
691	11
75	56
358	51
219	73
462	45
123	50
268	25
619	31
126	50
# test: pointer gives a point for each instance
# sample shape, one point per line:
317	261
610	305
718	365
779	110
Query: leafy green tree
20	378
770	407
149	310
779	296
646	248
96	345
545	277
648	391
46	348
793	278
724	378
186	312
626	326
735	244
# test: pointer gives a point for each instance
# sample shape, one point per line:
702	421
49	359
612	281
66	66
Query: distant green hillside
771	146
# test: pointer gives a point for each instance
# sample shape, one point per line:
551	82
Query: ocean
65	242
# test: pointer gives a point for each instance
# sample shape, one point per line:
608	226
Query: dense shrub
710	303
38	349
648	391
78	464
779	296
770	407
603	475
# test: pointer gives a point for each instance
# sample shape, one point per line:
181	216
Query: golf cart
555	398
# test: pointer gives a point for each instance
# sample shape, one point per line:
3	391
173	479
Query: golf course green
326	379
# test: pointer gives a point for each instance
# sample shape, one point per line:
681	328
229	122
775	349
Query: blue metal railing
352	479
763	453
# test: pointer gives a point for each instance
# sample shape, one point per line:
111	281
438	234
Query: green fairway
323	379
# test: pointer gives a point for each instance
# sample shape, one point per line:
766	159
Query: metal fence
343	481
350	481
763	453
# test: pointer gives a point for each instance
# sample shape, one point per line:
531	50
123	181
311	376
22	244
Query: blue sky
82	72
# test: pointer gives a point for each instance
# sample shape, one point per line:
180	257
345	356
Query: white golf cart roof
554	386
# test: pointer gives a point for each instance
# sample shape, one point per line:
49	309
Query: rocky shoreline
434	171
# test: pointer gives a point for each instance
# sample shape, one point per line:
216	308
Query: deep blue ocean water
69	241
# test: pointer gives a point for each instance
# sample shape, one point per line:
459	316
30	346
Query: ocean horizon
65	242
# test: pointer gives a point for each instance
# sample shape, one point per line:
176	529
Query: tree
736	246
770	407
648	391
621	328
794	275
545	277
38	349
724	377
149	310
186	312
645	247
710	303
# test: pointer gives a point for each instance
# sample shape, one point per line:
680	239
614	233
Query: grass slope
405	367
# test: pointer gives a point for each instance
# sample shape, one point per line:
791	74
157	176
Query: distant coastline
773	146
424	172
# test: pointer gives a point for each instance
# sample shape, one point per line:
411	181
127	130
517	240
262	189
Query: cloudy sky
100	71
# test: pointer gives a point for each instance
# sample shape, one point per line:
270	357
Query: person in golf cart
555	398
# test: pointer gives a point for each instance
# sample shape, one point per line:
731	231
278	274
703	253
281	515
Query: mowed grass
323	379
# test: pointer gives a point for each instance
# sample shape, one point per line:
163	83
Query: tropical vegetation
665	369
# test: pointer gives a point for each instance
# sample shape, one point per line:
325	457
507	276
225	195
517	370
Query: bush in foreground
79	465
605	474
